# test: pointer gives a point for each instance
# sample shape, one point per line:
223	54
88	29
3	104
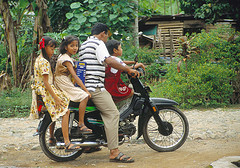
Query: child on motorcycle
64	68
113	82
55	101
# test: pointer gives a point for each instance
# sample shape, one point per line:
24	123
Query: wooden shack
163	31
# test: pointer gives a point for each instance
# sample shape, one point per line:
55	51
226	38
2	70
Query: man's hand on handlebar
133	73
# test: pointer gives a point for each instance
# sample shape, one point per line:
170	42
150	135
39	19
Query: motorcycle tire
51	151
178	126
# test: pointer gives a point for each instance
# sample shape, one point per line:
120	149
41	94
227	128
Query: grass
13	103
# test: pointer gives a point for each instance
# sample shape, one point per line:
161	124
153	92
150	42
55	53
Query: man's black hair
98	28
111	44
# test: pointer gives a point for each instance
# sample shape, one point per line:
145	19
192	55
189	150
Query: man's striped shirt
94	52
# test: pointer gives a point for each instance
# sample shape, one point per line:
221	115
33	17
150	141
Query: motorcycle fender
44	122
141	120
163	101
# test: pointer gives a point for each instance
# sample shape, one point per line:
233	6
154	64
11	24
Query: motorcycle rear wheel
52	152
177	123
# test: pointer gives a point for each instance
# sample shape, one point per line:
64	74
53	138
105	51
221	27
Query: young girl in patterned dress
55	101
64	68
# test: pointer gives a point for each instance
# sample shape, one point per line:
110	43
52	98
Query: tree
57	13
164	7
212	10
21	36
10	36
118	15
41	25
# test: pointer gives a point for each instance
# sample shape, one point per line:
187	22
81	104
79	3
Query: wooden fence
166	39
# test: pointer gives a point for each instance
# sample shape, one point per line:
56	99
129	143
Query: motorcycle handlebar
141	71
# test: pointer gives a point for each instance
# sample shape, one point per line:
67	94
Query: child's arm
129	62
58	101
136	65
75	77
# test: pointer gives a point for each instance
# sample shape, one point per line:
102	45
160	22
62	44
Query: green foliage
14	103
220	45
153	73
212	10
118	15
57	13
202	84
24	22
1	30
206	78
3	57
145	55
149	57
57	36
149	7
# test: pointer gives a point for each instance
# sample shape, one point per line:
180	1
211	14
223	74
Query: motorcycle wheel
176	121
52	152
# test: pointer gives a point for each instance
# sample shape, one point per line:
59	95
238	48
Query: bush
3	58
204	84
207	76
14	103
145	55
221	45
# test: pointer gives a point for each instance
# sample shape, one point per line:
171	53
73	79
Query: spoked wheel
162	141
53	151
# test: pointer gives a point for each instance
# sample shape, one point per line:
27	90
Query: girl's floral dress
41	67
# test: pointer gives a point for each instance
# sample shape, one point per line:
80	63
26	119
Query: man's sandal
121	158
84	130
73	148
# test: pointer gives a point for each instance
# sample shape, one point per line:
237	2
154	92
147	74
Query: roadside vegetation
204	72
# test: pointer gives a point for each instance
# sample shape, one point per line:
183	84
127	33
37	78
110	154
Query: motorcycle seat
76	104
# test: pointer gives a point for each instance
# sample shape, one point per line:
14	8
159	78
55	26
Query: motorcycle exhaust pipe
60	145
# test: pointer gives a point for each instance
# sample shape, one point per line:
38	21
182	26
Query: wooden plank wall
167	35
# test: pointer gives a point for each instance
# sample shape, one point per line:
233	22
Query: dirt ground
193	154
18	148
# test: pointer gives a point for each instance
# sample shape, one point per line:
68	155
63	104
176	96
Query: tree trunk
171	7
177	6
41	25
164	8
135	31
10	36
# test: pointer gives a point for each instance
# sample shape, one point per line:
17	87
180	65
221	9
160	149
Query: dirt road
208	141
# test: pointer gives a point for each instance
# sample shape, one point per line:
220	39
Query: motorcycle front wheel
178	127
52	151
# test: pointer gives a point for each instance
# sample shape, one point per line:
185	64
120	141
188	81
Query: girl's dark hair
67	40
98	28
48	41
111	44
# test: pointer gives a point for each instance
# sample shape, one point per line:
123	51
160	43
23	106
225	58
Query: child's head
69	45
47	45
114	47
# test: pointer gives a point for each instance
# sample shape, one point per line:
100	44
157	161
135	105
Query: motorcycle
163	126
